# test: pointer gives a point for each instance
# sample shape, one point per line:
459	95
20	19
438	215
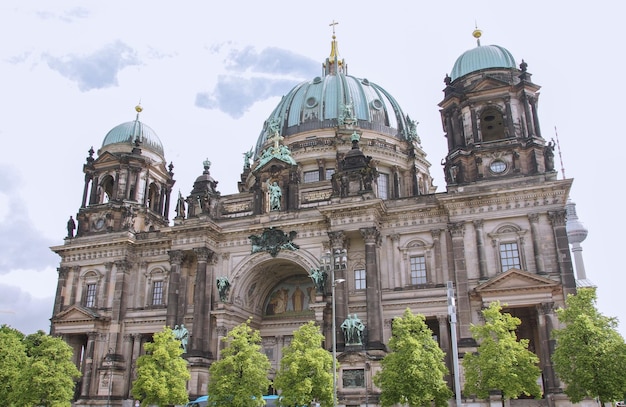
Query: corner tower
489	115
127	187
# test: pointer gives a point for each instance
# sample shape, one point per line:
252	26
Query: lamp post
338	261
455	352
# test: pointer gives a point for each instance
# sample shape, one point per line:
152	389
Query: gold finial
138	108
477	34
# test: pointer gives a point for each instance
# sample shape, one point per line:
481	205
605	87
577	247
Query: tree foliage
413	373
12	360
162	373
35	370
590	355
502	362
305	369
239	378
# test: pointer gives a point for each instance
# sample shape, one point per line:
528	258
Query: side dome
482	57
123	137
332	100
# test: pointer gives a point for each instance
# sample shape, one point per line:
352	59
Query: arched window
106	187
153	197
491	125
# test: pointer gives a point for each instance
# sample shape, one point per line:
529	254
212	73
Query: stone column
86	189
566	268
480	248
371	236
118	306
88	365
200	301
338	242
75	281
168	197
176	259
396	277
59	298
128	355
436	235
536	237
545	313
510	123
457	231
533	109
93	196
446	345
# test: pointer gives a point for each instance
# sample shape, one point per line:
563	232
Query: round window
498	166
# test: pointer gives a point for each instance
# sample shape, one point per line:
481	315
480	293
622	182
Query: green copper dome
335	99
482	57
128	133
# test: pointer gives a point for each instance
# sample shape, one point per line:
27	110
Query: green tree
12	360
36	370
502	362
162	373
305	369
413	373
239	378
590	355
50	378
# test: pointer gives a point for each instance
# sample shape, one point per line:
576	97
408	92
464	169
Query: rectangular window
329	173
383	186
353	378
509	256
157	293
90	297
311	176
359	280
418	270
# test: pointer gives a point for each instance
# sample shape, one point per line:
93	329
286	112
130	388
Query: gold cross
333	24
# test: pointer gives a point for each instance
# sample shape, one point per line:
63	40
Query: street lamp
338	261
455	352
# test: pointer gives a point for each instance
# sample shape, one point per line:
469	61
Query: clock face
497	166
99	224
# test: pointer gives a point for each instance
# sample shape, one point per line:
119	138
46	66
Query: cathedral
336	220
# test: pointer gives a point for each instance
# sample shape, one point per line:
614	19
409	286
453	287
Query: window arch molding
157	279
90	288
417	263
507	241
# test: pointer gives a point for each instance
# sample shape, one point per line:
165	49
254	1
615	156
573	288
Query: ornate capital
202	253
123	265
435	233
478	224
370	235
63	271
176	257
457	229
337	239
557	218
533	217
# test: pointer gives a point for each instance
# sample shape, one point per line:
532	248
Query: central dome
332	100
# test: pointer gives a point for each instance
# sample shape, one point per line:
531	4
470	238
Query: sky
208	74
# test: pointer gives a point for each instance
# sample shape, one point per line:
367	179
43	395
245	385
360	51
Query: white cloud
207	82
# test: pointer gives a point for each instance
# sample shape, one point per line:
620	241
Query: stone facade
349	189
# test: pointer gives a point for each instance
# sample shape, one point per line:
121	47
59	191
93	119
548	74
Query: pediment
487	84
77	313
106	158
273	164
516	286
